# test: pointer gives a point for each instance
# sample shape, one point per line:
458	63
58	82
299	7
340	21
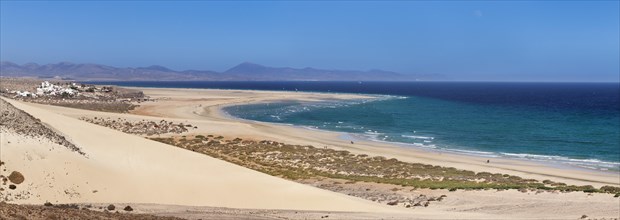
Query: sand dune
131	169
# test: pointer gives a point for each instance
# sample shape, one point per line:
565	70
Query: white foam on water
593	164
584	163
418	137
474	152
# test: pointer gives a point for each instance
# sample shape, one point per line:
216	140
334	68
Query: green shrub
610	189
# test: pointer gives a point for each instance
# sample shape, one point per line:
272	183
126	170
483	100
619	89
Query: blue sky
478	41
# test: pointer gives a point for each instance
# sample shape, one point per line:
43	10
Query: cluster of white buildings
24	94
48	88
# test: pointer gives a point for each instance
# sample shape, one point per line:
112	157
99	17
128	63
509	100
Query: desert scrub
306	162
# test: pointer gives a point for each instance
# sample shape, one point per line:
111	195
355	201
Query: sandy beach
124	168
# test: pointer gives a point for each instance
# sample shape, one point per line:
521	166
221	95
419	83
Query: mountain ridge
245	71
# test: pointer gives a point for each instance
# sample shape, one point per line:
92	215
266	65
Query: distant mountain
242	72
251	71
93	72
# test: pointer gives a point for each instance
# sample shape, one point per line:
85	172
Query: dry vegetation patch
68	211
304	162
142	127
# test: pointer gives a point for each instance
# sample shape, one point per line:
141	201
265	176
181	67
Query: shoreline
203	106
213	110
356	137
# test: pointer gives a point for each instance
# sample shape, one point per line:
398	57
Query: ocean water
575	124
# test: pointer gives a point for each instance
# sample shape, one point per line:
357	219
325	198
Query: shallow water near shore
456	127
571	124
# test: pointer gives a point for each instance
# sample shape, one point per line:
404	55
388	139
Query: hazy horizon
464	41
